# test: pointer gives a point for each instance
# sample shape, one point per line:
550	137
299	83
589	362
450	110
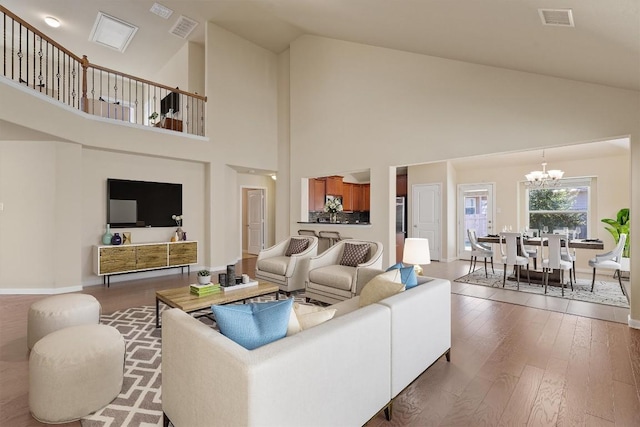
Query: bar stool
333	236
307	233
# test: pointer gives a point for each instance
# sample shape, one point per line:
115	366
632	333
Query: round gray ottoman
75	371
60	311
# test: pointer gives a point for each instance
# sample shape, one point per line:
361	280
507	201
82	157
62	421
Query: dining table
536	275
595	244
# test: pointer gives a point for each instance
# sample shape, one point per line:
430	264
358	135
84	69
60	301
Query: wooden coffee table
183	299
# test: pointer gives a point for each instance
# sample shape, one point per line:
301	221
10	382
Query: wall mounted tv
142	203
171	101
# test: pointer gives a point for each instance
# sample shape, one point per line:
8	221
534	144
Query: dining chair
554	260
478	249
609	260
567	253
510	245
532	251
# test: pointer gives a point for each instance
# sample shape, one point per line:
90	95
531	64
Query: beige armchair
329	281
288	272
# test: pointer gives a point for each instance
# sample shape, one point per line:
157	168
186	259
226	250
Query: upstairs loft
34	60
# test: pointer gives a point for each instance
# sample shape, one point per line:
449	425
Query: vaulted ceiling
602	48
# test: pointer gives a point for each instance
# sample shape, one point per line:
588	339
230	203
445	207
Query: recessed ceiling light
51	21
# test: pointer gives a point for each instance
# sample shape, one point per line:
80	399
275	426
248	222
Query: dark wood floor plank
519	406
547	402
627	404
619	354
491	408
464	408
600	393
540	353
573	405
591	421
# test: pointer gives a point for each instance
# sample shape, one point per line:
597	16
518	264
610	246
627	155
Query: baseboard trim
40	291
633	323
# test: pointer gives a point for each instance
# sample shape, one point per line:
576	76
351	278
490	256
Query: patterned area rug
604	292
139	403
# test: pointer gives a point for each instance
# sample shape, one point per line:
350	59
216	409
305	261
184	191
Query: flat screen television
171	101
142	203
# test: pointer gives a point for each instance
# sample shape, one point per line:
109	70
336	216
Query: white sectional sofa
339	373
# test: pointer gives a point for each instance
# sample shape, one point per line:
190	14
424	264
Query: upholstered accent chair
333	274
286	263
609	261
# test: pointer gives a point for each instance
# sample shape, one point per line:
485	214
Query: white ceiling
603	48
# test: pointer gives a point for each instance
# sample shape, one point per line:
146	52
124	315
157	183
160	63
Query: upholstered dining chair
567	253
610	261
333	275
532	251
286	263
554	260
510	245
479	250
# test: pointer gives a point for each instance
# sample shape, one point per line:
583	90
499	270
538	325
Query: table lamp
416	252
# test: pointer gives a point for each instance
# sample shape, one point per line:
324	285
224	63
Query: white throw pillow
307	316
380	287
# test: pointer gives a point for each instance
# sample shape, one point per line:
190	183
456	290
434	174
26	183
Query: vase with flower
179	233
333	206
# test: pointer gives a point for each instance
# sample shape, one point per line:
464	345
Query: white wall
40	224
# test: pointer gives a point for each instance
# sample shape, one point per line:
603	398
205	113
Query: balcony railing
35	60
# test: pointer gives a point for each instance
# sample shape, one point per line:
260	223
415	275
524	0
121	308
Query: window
566	205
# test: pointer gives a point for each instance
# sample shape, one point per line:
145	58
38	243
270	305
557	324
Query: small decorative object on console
106	237
116	239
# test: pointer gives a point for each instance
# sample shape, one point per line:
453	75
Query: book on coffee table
202	290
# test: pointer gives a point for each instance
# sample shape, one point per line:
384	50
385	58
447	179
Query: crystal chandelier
544	178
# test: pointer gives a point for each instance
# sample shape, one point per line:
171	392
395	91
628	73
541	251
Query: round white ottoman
60	311
75	371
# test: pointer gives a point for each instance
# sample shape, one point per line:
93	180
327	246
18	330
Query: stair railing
40	63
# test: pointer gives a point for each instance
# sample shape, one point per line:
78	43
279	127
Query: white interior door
427	205
476	211
255	201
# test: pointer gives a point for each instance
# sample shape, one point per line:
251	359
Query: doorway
253	220
475	211
426	212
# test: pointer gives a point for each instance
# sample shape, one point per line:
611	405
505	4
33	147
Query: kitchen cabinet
366	193
401	186
318	195
334	186
347	196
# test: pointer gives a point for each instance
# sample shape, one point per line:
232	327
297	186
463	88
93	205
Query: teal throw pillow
407	275
255	324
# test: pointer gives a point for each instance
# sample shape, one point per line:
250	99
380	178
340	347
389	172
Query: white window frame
568	183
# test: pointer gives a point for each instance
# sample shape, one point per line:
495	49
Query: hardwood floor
511	364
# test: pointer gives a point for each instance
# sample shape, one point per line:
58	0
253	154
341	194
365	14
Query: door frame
244	230
461	231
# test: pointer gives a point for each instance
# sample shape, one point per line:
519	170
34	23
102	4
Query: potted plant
204	277
618	226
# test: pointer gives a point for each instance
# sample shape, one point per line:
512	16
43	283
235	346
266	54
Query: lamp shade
416	251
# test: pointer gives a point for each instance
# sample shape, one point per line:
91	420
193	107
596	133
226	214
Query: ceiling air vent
112	32
556	17
161	11
183	27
